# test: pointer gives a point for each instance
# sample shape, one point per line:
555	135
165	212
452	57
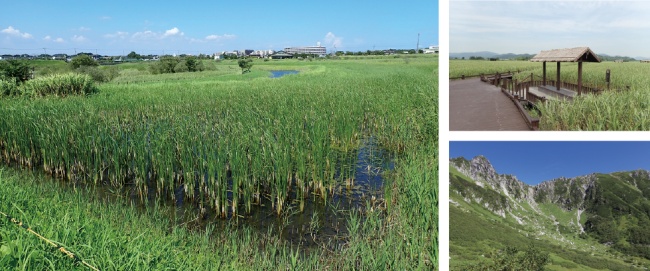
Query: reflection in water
322	223
280	73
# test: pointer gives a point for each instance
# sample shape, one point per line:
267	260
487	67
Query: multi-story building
431	50
309	50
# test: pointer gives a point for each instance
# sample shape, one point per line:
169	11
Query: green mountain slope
598	221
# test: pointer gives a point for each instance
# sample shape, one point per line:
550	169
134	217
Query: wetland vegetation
341	156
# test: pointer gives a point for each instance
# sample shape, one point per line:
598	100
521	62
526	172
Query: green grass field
230	142
458	68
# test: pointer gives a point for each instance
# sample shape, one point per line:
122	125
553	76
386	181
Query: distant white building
309	50
432	50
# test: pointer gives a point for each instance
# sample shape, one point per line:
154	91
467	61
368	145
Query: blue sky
149	27
607	27
536	161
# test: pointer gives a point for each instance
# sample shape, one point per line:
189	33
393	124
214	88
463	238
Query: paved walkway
478	106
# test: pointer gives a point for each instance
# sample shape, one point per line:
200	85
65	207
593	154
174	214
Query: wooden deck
477	106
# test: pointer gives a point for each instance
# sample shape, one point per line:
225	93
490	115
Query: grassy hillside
619	213
476	232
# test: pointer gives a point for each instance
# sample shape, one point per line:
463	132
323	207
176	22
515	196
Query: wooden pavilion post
557	83
544	74
579	78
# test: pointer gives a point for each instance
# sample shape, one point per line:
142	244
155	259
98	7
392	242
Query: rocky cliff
569	193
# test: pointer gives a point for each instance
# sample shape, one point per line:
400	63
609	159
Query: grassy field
622	110
229	142
458	68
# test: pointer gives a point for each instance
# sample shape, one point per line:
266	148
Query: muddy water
322	223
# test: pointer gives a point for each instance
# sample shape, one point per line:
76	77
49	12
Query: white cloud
214	38
105	18
151	35
531	26
332	40
173	32
79	38
222	37
15	32
50	39
118	35
83	29
145	35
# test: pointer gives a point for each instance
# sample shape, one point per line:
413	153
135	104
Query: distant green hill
614	58
597	221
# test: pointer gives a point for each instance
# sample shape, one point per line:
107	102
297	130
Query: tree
83	60
133	55
166	64
181	67
15	69
245	65
192	64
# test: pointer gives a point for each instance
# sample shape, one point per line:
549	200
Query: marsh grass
228	142
60	85
8	88
119	236
621	110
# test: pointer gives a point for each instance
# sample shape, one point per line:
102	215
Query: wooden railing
521	88
495	79
511	89
519	93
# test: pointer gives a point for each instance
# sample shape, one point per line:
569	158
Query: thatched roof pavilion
578	54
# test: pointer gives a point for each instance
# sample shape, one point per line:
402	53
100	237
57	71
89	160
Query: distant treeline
498	57
529	56
615	58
